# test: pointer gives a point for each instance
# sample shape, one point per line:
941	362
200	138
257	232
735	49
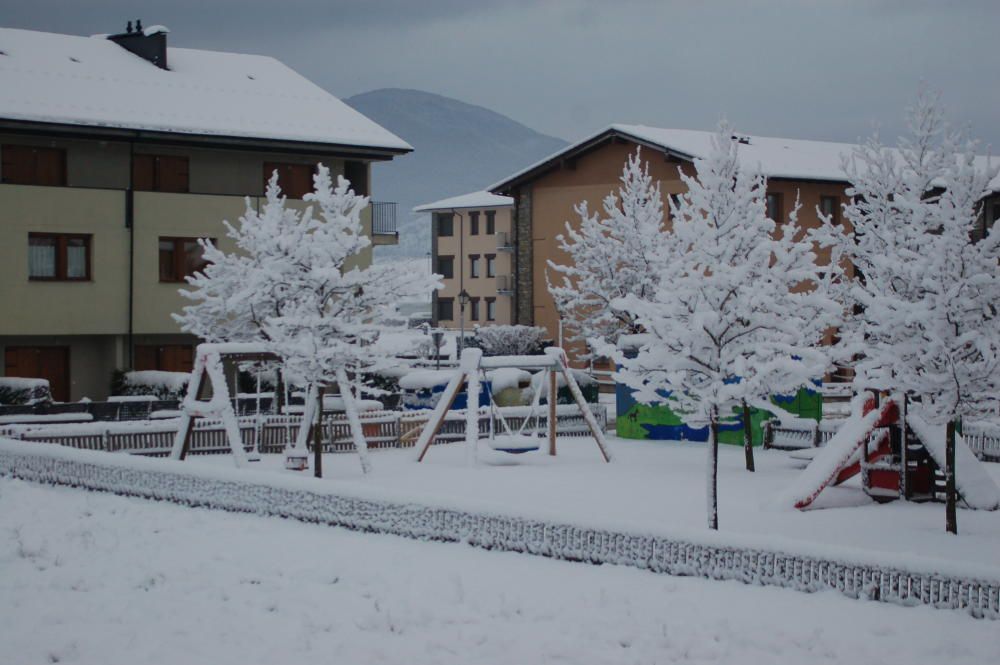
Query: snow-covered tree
739	308
928	296
235	293
610	257
334	306
296	284
510	340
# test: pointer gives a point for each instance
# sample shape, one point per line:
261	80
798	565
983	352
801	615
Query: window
180	258
295	180
491	309
774	209
30	165
446	266
491	265
473	265
445	223
673	204
357	174
446	309
474	309
160	173
995	216
164	357
58	257
491	222
830	206
474	223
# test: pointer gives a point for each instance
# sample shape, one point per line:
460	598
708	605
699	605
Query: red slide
840	458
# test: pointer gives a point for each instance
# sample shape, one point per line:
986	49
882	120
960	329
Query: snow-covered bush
20	391
509	340
154	383
610	257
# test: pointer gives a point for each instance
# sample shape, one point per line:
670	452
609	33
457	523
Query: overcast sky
805	69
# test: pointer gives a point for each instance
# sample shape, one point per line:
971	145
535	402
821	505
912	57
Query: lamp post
463	300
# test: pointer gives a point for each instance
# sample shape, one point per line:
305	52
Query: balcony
504	242
505	285
384	223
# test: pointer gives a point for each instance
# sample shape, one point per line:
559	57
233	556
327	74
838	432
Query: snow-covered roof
94	82
481	199
775	157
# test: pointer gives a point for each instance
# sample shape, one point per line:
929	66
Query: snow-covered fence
802	433
269	433
855	574
982	438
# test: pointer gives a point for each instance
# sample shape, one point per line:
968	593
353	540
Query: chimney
147	43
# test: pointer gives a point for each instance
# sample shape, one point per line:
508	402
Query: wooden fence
270	433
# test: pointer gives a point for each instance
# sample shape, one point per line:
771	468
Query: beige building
471	249
545	193
116	155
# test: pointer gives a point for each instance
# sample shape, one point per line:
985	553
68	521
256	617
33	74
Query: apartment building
116	154
545	193
471	248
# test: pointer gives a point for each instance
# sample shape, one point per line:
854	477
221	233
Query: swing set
472	372
208	368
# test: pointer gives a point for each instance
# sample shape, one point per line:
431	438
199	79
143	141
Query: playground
658	486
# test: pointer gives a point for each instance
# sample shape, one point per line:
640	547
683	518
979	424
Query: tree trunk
318	435
747	437
713	471
951	519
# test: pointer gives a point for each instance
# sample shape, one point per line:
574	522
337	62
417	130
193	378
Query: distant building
471	248
545	193
116	154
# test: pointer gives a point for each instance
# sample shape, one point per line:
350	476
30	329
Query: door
41	362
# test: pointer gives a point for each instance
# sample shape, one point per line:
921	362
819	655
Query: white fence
269	433
325	503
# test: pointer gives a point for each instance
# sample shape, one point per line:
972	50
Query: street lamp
463	300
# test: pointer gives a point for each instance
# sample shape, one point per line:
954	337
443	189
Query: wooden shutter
18	164
41	362
50	169
143	173
295	180
144	357
172	174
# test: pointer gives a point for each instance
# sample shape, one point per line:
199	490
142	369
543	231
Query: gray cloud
828	70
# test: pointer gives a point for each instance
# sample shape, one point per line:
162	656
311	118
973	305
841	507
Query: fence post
817	436
106	440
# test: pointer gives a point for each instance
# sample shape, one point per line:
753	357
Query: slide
974	486
840	458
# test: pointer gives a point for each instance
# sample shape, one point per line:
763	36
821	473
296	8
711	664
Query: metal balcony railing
505	285
383	218
504	242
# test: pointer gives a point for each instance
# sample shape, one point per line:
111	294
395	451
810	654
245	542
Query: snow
972	481
20	383
507	377
172	381
426	379
480	199
775	157
203	92
47	418
97	578
133	398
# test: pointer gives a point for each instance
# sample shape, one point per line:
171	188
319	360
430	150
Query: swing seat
514	444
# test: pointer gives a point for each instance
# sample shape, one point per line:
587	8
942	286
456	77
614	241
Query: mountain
458	148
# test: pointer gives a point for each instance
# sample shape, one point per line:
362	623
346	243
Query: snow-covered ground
95	578
660	485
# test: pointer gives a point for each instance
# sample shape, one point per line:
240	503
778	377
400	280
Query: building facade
471	249
545	194
103	198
